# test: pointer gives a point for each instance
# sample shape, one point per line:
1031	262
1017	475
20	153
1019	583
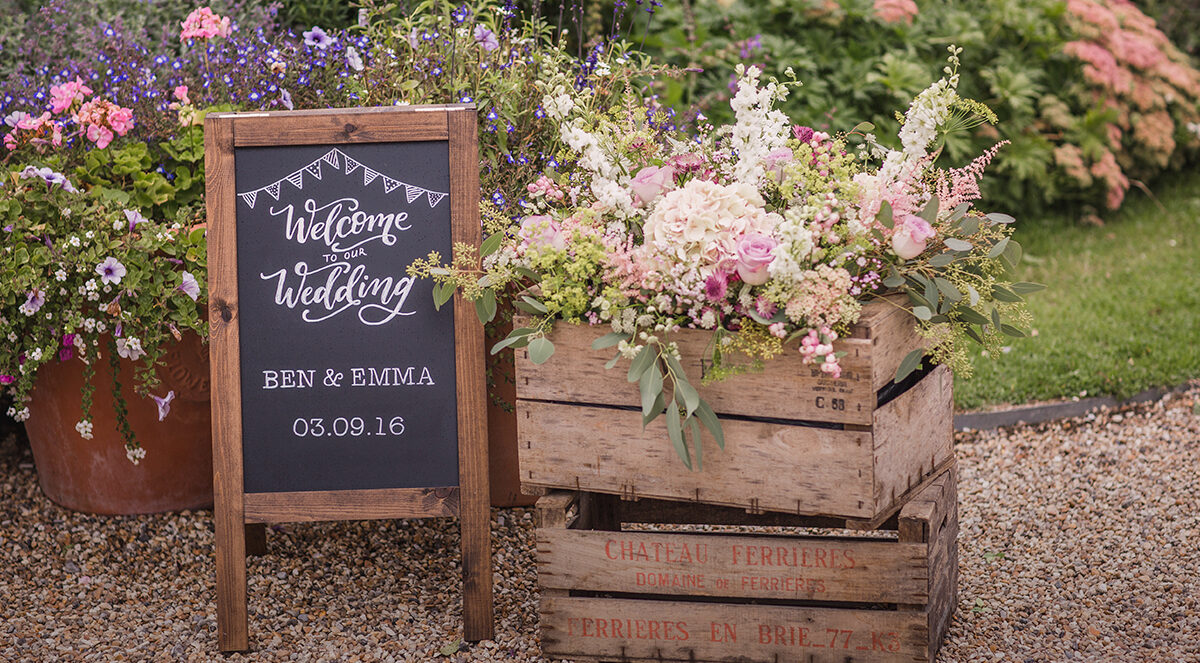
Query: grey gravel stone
1078	543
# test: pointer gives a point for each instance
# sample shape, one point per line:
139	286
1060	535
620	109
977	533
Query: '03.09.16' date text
348	427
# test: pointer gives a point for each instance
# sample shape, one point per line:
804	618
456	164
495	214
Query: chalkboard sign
339	391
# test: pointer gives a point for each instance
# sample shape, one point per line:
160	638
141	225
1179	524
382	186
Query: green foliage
1122	316
1074	137
57	302
328	14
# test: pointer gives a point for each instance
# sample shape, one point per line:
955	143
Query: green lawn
1122	311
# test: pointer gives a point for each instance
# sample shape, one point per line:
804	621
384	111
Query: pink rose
911	233
651	181
754	254
776	160
541	230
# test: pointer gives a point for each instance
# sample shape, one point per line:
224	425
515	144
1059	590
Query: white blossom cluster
926	113
18	415
135	455
759	130
795	244
85	429
130	348
558	104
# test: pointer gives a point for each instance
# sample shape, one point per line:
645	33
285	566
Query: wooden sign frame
238	513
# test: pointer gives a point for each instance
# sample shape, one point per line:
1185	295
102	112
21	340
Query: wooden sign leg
475	521
232	626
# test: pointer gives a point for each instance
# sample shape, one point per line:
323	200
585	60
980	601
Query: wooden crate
796	441
609	594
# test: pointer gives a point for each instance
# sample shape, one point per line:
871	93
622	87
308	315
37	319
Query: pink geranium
64	96
202	23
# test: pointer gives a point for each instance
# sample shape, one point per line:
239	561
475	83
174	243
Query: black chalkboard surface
347	368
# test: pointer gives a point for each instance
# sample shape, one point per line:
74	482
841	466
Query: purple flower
14	117
189	286
802	134
135	217
33	302
318	38
285	98
110	271
164	404
65	354
7	379
49	177
68	340
486	38
8	228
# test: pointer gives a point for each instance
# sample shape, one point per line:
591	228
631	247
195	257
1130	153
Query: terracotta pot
504	474
94	475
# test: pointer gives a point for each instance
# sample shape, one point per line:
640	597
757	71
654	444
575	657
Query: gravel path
1079	542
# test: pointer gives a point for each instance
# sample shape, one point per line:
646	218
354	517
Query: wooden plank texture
786	388
374	504
767	466
318	127
475	509
761	567
637	630
913	435
226	372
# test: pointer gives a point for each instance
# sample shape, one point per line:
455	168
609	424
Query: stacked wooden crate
802	451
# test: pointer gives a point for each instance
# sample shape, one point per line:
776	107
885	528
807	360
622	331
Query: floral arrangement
83	279
768	234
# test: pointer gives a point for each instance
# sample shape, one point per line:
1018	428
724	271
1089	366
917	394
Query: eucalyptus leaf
691	398
540	350
959	212
656	409
697	443
608	365
705	414
930	212
996	217
528	273
922	312
910	363
998	248
608	340
970	315
1013	254
537	306
651	386
1012	331
675	431
894	281
948	289
491	244
641	363
996	317
972	295
931	293
970	331
1025	287
485	306
958	244
885	215
442	293
969	225
1005	295
942	259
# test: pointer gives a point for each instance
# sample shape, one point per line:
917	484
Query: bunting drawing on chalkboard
343	163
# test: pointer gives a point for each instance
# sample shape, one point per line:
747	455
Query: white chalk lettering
340	220
338	287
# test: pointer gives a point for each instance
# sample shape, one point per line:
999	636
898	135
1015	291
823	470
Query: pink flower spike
164	404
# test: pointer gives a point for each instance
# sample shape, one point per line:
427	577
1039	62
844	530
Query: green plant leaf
996	217
450	648
958	244
947	289
941	260
705	414
442	293
641	363
969	225
517	337
998	248
1025	287
972	295
675	431
656	409
885	215
970	315
691	397
491	244
894	281
608	365
930	212
910	363
540	350
608	340
1010	330
970	331
697	443
959	212
922	312
485	306
1005	295
651	387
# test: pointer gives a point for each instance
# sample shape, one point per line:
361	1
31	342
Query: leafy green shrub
1090	94
1179	19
